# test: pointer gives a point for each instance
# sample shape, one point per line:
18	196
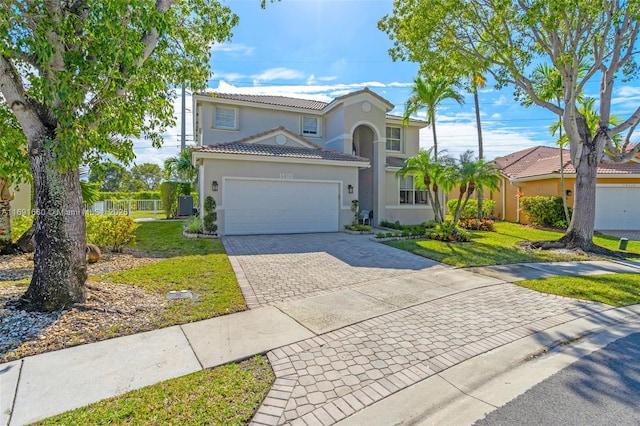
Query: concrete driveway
274	268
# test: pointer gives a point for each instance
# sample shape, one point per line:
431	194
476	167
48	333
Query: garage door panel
278	207
617	208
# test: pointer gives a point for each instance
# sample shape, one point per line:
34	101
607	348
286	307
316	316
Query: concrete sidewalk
343	321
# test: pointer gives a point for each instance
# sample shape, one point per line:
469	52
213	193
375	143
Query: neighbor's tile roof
544	160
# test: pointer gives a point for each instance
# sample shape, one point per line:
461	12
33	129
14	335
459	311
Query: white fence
134	208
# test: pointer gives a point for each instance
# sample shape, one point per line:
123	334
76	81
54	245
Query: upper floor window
394	139
225	118
310	126
409	194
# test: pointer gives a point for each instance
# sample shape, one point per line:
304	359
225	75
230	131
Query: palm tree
473	175
429	96
181	167
478	80
431	174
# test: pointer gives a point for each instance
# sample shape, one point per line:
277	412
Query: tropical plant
429	95
432	174
472	175
180	167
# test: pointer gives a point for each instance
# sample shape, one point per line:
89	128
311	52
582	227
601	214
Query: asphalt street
602	388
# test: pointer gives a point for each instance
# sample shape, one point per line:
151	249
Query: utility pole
183	136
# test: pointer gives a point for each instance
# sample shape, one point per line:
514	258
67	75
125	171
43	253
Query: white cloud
231	76
235	48
328	78
311	79
496	116
398	84
279	73
459	137
502	100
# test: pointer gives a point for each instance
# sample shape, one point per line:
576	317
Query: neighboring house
536	171
283	165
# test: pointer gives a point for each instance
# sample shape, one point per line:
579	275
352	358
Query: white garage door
617	207
280	207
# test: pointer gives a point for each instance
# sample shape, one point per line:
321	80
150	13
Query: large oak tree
84	78
508	38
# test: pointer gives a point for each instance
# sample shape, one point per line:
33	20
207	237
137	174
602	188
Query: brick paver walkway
323	380
282	267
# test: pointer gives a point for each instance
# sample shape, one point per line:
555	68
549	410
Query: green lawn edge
225	395
501	247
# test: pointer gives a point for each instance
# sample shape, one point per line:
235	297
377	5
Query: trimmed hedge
544	211
471	209
140	195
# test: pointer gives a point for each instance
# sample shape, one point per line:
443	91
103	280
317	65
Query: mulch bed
111	309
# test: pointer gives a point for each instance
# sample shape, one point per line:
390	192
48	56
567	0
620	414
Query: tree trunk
435	138
476	102
60	269
5	215
580	231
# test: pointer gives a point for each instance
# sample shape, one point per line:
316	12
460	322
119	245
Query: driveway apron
285	267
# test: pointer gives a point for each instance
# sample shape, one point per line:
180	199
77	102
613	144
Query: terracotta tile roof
244	147
309	104
282	101
411	120
544	160
395	162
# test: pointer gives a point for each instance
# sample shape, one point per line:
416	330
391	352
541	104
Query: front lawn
612	289
500	247
198	265
225	395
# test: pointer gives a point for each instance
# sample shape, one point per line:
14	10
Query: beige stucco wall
405	214
217	170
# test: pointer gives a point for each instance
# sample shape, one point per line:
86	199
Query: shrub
483	225
210	215
360	228
380	235
447	231
471	209
392	225
430	224
194	225
169	191
111	231
544	210
19	225
389	234
406	233
123	195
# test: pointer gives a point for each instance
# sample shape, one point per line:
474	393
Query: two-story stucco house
283	165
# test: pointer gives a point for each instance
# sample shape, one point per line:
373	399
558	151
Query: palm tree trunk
435	138
476	101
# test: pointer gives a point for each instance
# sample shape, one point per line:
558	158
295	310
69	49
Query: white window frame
302	127
224	127
399	139
412	193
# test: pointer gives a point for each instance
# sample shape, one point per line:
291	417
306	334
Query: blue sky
321	49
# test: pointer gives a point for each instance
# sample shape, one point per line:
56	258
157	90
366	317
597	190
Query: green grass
226	395
612	289
500	247
209	277
199	265
164	238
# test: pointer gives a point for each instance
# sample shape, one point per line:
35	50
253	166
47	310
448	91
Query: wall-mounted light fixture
350	188
568	192
214	186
